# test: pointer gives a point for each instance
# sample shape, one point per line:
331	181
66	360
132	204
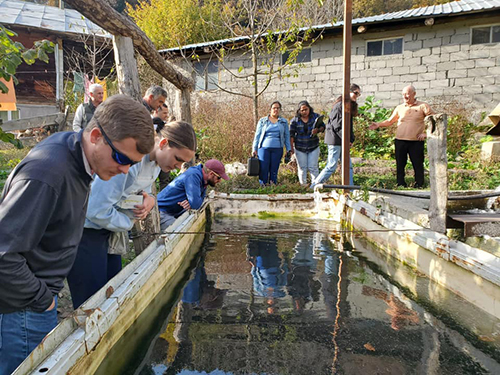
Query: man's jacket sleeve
25	214
194	193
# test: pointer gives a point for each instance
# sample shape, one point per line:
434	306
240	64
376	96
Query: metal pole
346	118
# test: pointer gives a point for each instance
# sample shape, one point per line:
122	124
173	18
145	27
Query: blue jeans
270	159
307	161
334	155
166	219
20	333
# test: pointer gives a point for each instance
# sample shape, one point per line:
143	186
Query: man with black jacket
333	136
42	213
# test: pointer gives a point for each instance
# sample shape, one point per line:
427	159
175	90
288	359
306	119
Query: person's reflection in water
269	272
198	294
400	314
302	286
326	249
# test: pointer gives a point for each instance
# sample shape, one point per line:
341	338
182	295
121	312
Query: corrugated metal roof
452	8
14	12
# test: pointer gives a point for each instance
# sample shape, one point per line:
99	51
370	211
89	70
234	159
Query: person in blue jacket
271	135
188	190
109	216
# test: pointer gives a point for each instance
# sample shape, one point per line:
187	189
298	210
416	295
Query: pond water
271	300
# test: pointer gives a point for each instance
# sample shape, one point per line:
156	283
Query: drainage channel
285	303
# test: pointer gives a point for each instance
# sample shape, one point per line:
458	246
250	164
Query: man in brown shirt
410	135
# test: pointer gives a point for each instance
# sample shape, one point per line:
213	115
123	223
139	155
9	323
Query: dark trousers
270	159
93	266
416	151
165	178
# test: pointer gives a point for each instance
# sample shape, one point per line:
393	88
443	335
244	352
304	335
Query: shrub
378	143
225	130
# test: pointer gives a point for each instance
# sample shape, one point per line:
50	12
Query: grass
9	158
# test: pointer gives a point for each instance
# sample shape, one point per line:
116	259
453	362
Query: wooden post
346	118
144	231
126	67
182	105
438	168
59	57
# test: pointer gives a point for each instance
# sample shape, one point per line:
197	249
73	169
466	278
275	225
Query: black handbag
253	167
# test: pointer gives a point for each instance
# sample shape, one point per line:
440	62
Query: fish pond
296	296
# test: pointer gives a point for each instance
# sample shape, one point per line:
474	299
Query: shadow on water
304	304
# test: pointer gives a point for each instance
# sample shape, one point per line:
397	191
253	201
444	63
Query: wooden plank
32	122
476	224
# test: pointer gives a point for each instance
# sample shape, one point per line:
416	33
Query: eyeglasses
217	175
115	154
357	93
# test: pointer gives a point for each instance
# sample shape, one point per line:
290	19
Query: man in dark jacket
42	213
333	136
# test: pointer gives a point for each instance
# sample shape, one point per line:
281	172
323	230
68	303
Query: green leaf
3	88
42	55
29	56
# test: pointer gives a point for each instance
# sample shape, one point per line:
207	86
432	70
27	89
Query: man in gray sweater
42	213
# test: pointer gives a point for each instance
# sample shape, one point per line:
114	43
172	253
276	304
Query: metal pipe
405	194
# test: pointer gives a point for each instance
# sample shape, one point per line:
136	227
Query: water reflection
308	304
269	270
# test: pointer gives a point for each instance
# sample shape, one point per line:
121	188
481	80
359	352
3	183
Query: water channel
303	303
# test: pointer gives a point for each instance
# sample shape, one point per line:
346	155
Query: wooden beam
33	122
438	171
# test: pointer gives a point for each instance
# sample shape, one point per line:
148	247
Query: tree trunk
255	85
126	67
102	14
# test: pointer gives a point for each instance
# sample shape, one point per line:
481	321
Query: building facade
449	52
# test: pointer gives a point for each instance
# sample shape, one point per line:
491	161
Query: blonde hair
180	134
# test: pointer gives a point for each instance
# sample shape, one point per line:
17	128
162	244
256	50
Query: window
384	47
207	75
486	34
304	56
9	115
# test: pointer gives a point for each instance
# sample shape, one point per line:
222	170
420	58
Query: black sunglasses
115	154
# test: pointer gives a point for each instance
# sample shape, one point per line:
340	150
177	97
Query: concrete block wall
438	60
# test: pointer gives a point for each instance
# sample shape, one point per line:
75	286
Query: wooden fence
57	121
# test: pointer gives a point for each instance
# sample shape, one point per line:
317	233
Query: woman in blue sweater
271	136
